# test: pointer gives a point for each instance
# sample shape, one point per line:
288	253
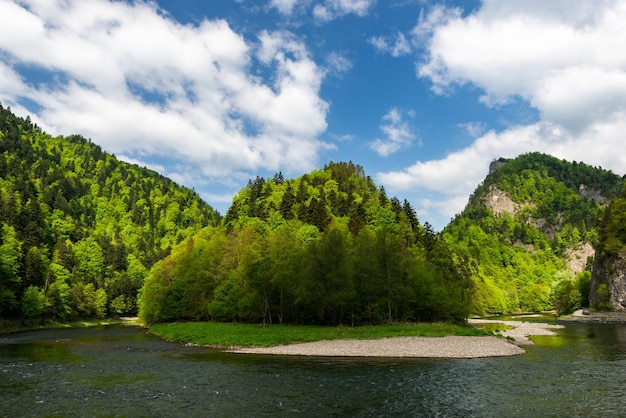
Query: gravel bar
417	347
521	330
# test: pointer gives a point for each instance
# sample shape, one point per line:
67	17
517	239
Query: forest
83	234
613	228
522	257
326	248
79	229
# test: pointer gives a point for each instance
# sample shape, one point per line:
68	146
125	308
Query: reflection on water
122	371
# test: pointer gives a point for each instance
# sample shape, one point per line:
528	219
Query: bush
33	302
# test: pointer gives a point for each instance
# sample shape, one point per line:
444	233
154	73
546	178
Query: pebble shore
521	330
418	347
425	347
597	317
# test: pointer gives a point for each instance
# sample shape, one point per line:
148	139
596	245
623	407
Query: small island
438	340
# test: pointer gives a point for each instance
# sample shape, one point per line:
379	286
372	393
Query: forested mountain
80	229
328	247
530	230
82	232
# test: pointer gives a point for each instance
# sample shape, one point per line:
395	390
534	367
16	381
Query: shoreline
596	317
396	347
521	330
10	326
506	343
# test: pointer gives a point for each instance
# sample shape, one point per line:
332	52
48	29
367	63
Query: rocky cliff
608	282
608	279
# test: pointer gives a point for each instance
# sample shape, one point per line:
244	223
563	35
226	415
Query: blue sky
423	94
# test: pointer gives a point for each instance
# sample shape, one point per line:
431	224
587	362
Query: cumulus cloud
459	171
569	65
431	20
397	134
396	47
142	84
450	180
332	9
563	58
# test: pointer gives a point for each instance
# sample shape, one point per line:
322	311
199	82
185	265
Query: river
123	371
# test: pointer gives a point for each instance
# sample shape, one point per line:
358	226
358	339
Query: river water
123	371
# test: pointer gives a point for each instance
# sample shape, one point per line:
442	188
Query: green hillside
80	229
328	247
613	228
530	229
81	233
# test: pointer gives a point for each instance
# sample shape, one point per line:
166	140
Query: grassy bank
15	325
247	335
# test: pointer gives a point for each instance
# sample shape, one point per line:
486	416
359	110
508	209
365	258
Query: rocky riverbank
598	317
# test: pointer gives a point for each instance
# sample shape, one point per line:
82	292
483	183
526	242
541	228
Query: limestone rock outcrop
610	271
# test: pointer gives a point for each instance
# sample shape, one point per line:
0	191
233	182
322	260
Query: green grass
247	335
15	325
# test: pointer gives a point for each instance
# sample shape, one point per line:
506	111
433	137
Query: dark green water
122	371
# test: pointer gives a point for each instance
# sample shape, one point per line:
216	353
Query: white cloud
565	59
11	87
438	16
284	6
473	129
397	132
223	198
453	178
332	9
398	47
154	167
337	63
143	85
344	137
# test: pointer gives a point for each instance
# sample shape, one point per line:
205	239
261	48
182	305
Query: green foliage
603	298
81	233
72	215
88	301
10	252
326	248
33	302
613	227
58	295
569	295
517	258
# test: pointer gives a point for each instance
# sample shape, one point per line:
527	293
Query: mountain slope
531	228
328	247
79	229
